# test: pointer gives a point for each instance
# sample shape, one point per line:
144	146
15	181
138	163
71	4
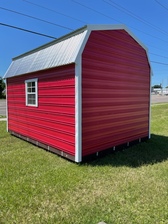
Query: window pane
29	90
29	84
32	99
33	90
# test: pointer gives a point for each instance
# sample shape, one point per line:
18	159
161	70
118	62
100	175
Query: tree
157	86
2	88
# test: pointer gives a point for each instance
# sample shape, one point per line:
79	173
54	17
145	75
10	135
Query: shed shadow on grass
152	151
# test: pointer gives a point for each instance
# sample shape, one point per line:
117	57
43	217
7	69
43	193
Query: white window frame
36	92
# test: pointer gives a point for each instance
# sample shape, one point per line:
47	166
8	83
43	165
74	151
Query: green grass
1	116
125	187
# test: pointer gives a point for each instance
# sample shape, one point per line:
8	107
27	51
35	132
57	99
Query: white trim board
78	111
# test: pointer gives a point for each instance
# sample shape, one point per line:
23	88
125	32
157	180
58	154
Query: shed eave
39	70
90	27
62	51
53	55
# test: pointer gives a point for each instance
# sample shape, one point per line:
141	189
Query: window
31	92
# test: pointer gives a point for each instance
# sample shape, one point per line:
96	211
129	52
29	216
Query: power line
32	17
33	32
149	34
161	5
119	21
100	13
41	34
128	12
157	62
154	46
52	10
158	55
95	11
25	30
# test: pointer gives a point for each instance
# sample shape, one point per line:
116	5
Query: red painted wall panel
115	91
53	121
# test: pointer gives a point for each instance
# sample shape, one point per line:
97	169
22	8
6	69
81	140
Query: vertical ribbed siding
115	91
53	121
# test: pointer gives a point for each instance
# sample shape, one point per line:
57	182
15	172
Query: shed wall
115	91
53	121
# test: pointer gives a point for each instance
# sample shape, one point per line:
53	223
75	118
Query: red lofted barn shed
81	94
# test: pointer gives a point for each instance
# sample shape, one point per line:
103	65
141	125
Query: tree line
2	89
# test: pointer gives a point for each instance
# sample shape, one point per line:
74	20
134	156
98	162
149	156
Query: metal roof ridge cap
57	40
105	26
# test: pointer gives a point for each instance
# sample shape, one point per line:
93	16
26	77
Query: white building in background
160	91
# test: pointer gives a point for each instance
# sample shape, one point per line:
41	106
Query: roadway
154	99
3	107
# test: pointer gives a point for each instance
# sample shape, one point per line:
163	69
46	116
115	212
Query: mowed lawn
124	187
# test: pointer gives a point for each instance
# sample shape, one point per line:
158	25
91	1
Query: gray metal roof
62	51
48	56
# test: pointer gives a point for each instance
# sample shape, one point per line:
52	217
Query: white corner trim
78	111
78	100
151	74
7	122
150	104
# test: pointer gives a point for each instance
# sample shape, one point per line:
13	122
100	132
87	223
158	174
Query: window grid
31	92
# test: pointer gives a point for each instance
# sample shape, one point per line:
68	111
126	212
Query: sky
146	19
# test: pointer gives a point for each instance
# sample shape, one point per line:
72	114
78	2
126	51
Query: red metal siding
115	91
53	121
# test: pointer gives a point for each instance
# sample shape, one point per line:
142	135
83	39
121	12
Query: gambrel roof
61	51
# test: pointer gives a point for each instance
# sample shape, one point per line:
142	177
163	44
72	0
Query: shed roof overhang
62	51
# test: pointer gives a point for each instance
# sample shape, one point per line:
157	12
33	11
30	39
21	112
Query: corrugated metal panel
53	121
115	91
61	52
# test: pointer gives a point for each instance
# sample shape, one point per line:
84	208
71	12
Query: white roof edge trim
53	55
76	39
90	27
93	27
7	70
78	111
115	27
82	46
